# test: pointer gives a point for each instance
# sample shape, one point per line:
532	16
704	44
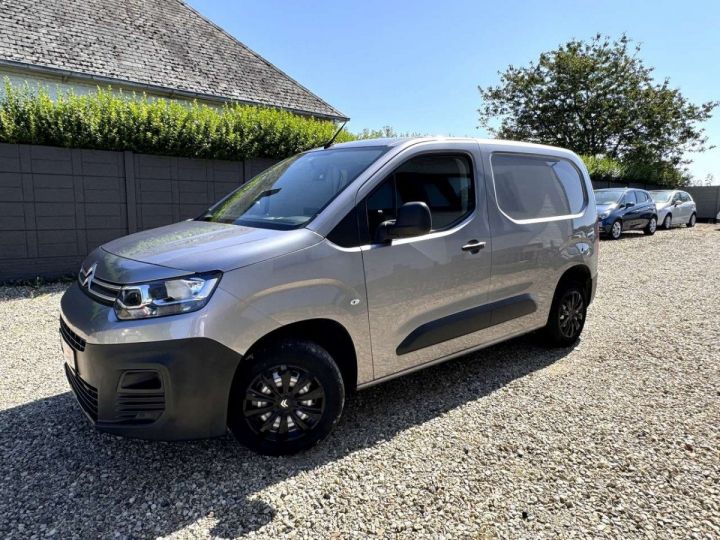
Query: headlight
603	215
166	297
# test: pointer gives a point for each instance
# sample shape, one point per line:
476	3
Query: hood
605	207
200	246
660	205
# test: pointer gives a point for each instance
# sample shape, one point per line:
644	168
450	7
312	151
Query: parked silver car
333	270
674	207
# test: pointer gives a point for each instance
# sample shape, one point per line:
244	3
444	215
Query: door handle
473	246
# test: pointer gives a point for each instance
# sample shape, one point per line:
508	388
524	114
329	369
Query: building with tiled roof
159	47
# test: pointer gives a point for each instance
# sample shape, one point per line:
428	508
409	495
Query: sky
416	65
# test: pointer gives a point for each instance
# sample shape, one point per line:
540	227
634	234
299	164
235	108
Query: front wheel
286	398
692	221
651	227
567	315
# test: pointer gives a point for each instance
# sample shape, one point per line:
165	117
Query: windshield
661	196
608	197
291	193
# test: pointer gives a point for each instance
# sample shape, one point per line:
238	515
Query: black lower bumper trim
179	389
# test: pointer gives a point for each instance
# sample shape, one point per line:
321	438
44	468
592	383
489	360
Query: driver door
677	209
422	291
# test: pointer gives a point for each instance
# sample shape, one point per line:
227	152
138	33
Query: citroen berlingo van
333	270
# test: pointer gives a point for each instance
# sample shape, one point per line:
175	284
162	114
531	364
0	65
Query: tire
567	315
616	230
667	222
651	227
693	219
278	422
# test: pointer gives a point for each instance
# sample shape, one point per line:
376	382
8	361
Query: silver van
331	271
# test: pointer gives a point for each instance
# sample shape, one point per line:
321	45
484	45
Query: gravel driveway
619	437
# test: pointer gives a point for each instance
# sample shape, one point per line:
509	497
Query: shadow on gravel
59	474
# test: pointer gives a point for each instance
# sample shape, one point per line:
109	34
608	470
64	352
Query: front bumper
604	225
168	390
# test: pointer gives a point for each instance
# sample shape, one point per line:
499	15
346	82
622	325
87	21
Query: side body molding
466	322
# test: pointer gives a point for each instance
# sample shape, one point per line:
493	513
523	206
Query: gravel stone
618	437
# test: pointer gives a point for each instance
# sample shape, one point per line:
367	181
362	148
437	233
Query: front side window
536	187
630	197
685	197
641	197
443	182
290	194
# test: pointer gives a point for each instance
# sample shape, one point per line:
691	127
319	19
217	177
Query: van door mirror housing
413	219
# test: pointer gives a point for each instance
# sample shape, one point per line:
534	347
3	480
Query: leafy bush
109	120
607	169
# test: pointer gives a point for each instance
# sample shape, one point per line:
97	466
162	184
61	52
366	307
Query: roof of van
404	140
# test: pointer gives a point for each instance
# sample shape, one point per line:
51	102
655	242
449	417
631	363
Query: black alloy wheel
285	398
283	403
572	314
567	315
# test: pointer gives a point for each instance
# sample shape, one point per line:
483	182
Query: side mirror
413	219
629	204
677	202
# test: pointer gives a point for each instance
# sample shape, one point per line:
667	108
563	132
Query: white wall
56	84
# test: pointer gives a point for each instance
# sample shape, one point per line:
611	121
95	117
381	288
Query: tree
598	98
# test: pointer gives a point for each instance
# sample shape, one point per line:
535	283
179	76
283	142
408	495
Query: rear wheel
692	221
651	227
667	222
567	315
616	229
287	398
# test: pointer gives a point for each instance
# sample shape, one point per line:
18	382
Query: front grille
139	408
72	339
98	289
86	394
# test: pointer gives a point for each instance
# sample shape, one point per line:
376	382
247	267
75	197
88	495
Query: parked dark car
625	209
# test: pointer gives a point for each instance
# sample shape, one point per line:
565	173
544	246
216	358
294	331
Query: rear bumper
166	390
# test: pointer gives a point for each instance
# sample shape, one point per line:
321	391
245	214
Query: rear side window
535	187
443	182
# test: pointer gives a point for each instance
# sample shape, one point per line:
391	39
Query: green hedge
605	169
113	121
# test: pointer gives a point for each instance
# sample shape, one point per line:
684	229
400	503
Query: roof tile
163	43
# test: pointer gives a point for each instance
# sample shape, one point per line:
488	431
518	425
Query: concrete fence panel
58	204
707	200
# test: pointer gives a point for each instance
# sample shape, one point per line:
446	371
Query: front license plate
68	354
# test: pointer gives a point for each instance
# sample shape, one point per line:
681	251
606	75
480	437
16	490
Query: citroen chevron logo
284	403
86	276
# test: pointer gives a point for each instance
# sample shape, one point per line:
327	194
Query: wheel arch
327	333
578	273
